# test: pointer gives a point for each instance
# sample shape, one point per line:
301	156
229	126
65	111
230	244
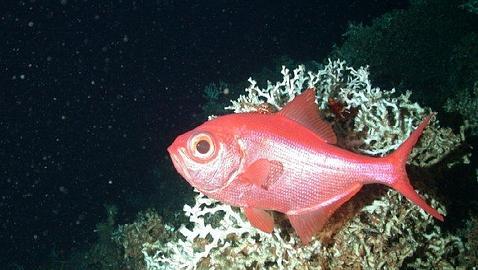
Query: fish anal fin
304	110
309	222
260	219
263	173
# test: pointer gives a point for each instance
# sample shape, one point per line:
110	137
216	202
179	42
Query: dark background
92	92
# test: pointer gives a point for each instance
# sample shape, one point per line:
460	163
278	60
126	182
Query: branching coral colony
386	233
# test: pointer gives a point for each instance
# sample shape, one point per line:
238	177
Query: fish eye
201	146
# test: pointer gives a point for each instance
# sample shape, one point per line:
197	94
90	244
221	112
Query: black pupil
203	146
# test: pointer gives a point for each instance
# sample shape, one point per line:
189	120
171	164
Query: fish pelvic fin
400	180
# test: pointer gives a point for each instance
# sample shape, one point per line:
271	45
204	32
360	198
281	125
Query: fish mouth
178	163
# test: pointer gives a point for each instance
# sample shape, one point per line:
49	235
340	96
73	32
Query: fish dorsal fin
310	222
262	172
303	110
260	219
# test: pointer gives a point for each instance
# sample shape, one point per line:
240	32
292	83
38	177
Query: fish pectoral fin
263	173
310	222
260	219
304	110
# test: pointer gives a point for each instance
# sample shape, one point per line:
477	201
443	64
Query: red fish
286	162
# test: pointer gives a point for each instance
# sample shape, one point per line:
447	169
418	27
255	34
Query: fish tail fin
400	181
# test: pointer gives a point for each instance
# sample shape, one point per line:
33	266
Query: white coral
465	102
220	236
217	230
